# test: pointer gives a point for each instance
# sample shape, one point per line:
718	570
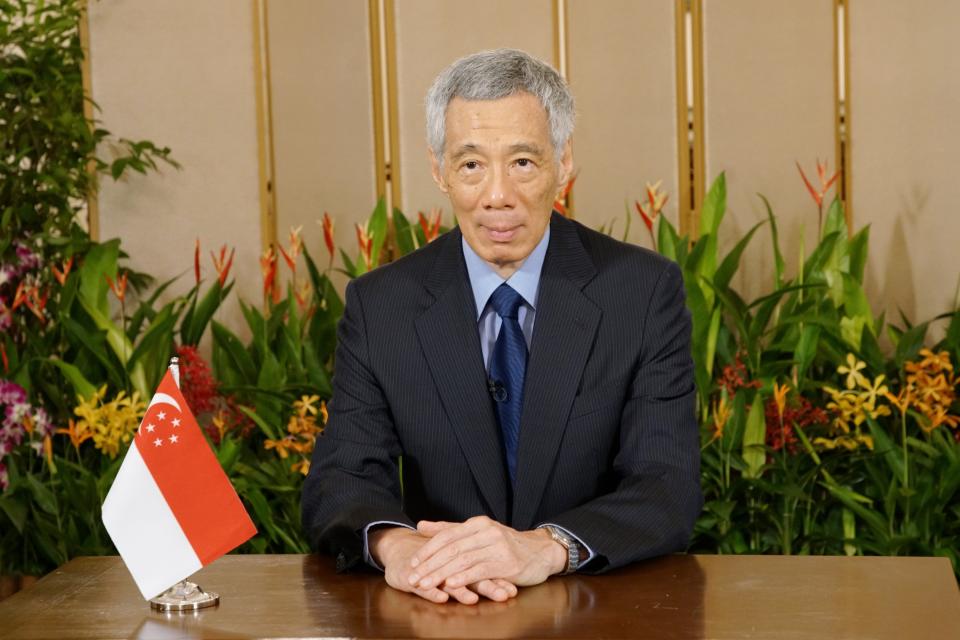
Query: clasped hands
465	560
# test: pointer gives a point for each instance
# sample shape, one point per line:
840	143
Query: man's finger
429	528
458	563
474	573
463	595
494	590
455	556
434	595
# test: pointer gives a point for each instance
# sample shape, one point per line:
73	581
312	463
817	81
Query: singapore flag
171	509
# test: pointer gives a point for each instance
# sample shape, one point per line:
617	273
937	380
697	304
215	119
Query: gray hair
495	74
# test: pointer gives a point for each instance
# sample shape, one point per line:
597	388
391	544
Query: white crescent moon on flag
163	398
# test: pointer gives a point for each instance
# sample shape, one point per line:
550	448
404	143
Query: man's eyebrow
464	150
525	147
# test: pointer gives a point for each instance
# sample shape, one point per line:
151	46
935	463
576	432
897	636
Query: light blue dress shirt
483	281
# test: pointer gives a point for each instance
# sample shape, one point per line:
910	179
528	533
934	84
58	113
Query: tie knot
506	301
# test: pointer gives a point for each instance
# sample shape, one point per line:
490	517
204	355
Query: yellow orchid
111	423
852	371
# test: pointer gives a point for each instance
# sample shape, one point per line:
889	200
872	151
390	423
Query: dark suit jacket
608	446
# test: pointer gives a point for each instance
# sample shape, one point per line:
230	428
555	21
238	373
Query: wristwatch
570	544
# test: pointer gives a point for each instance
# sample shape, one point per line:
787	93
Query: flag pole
185	595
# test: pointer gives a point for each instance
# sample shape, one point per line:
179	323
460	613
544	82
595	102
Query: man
516	399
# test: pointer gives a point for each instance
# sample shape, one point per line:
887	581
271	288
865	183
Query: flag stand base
184	596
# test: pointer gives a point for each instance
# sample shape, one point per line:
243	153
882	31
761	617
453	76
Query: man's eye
471	165
524	163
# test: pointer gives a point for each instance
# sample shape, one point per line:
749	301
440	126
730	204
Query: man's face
501	174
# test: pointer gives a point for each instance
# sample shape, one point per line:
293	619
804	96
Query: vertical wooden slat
264	113
376	77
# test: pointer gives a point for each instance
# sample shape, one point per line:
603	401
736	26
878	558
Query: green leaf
778	260
754	439
203	312
15	510
836	222
857	249
156	345
42	496
714	206
731	263
99	262
236	353
377	229
96	346
667	239
80	384
806	349
403	233
910	344
267	429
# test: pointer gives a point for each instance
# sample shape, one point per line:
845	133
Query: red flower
196	380
366	245
825	183
328	234
196	260
119	287
803	413
431	228
223	264
268	266
61	276
733	377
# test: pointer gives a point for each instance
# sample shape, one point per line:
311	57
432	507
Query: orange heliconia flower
296	246
328	234
721	415
3	356
365	240
825	182
780	398
78	432
19	296
431	227
119	287
223	264
61	275
268	266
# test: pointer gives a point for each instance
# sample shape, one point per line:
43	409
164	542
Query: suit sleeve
354	477
657	498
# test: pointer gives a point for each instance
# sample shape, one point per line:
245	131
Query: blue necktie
507	369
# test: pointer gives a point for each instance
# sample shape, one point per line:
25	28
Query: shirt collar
525	280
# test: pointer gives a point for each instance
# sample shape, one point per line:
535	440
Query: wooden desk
673	597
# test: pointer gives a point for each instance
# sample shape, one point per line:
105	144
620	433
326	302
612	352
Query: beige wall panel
181	73
769	101
904	65
322	118
622	68
430	35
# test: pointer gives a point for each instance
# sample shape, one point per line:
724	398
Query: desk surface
673	597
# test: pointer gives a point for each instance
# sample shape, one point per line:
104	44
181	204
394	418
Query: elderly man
516	399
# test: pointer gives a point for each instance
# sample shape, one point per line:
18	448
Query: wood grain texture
675	597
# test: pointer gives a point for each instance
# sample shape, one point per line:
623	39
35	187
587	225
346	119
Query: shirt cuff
366	540
590	554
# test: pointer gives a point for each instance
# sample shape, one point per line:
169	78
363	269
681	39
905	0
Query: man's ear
566	164
435	171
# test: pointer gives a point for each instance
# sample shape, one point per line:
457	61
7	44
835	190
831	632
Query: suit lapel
447	331
563	334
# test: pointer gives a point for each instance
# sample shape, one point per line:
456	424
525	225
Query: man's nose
498	191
